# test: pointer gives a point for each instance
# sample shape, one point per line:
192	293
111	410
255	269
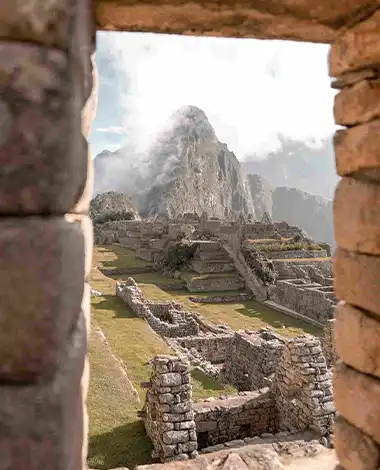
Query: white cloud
111	130
251	90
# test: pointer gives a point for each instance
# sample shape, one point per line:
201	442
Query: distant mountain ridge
189	170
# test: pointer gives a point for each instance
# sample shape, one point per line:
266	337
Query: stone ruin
168	412
284	384
296	398
303	278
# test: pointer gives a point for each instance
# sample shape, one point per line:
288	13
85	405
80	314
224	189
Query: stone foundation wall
253	357
311	300
302	387
212	348
247	415
177	323
199	284
215	299
168	411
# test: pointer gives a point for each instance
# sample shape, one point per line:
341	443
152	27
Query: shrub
263	267
114	216
178	255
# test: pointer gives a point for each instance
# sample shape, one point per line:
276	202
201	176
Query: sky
251	90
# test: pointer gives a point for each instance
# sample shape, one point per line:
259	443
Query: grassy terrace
250	315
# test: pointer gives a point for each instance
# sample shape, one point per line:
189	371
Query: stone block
350	78
175	437
357	149
52	23
355	327
41	425
355	450
43	154
356	48
170	380
357	279
42	286
357	399
357	215
357	104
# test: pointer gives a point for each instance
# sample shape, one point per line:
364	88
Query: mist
255	94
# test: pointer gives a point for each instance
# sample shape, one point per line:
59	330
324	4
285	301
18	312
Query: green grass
250	315
118	257
116	436
150	278
205	387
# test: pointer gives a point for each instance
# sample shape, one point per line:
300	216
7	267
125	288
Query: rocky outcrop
112	204
190	170
261	193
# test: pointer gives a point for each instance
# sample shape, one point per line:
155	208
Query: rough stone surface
41	283
357	202
235	20
246	458
168	412
356	279
53	22
357	398
42	424
356	149
356	327
302	387
43	157
357	104
235	418
356	450
252	358
350	78
356	48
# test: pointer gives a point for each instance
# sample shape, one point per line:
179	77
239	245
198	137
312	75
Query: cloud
111	130
251	90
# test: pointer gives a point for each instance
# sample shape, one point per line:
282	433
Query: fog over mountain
188	169
297	164
266	109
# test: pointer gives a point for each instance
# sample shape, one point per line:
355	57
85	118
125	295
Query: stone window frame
45	186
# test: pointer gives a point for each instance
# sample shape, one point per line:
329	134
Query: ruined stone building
48	99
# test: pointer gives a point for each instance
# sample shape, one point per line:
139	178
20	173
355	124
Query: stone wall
222	299
292	254
212	348
309	299
328	343
235	417
47	105
253	357
165	318
302	387
168	411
